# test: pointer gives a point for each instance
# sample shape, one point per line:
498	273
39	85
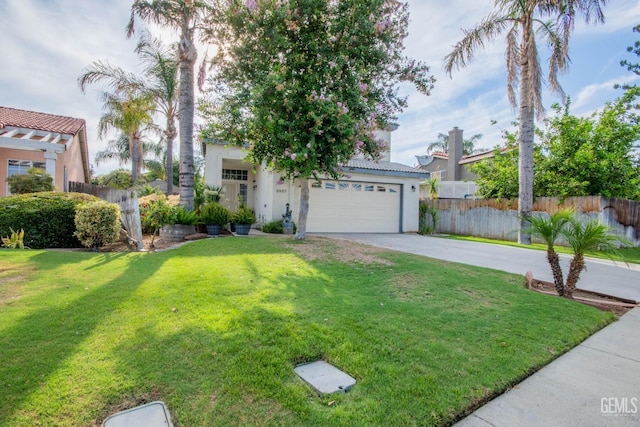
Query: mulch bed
619	306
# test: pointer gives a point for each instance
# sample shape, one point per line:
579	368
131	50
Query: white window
235	174
344	186
16	167
329	185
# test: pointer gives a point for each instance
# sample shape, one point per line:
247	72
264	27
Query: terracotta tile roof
39	121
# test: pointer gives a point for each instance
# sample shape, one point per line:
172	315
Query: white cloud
46	44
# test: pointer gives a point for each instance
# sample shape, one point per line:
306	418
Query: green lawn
214	329
629	255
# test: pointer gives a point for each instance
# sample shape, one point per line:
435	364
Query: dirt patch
127	402
323	249
619	306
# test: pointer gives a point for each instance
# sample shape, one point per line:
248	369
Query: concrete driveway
606	277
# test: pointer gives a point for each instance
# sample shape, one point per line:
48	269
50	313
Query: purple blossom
280	181
293	156
363	87
332	64
359	144
308	145
251	4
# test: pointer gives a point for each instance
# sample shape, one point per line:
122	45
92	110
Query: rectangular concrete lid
154	414
325	378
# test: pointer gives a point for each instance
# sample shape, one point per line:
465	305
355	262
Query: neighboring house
452	169
56	144
451	166
374	197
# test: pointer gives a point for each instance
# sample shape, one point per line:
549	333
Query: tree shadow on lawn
422	362
39	344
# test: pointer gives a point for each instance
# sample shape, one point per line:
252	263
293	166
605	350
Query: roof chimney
454	172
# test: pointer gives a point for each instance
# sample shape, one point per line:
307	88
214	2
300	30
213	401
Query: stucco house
57	144
452	168
374	197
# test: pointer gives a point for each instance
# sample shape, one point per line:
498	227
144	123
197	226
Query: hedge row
47	218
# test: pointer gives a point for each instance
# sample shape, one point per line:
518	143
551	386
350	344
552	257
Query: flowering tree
307	82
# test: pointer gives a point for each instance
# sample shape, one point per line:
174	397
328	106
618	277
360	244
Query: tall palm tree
522	21
442	144
161	64
583	237
549	229
125	105
130	114
185	16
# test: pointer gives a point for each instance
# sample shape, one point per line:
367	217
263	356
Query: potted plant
214	215
181	224
243	218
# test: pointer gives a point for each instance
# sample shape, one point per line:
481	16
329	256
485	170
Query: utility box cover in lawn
154	414
325	378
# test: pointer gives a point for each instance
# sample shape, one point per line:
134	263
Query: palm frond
463	52
111	76
549	228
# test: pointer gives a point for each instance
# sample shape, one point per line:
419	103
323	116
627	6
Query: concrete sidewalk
606	277
596	383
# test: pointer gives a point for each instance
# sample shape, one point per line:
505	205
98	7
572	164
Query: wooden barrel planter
176	232
243	229
213	229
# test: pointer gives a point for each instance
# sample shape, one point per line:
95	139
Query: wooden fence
498	219
126	199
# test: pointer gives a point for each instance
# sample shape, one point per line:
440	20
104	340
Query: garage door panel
354	207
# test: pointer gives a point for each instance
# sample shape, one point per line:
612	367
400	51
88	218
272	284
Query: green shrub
47	218
34	181
273	227
244	215
214	214
182	216
97	224
276	227
154	214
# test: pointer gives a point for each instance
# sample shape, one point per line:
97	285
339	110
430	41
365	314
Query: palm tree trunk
556	270
188	55
133	151
170	135
575	268
525	162
301	232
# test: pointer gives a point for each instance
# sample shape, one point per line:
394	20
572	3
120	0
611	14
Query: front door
233	193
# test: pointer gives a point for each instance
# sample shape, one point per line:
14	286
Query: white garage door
354	207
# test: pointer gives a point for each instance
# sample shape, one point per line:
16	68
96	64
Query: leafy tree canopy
307	82
577	156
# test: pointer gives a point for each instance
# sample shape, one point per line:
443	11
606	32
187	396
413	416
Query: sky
46	44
